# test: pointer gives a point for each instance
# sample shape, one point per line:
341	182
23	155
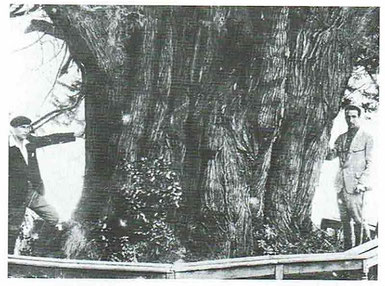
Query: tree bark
319	68
239	99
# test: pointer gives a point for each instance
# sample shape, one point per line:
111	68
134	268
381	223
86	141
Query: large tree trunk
239	99
319	68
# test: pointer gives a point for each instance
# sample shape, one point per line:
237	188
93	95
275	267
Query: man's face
352	118
22	131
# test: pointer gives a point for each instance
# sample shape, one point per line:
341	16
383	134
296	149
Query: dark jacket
20	175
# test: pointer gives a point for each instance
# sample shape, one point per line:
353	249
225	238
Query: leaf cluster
269	242
147	195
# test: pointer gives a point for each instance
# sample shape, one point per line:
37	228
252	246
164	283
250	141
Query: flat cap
20	120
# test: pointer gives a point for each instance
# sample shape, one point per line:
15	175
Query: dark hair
353	107
20	120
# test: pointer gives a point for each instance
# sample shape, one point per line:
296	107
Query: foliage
363	88
139	227
269	242
367	47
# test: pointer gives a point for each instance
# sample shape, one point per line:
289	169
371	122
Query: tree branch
51	115
46	28
15	12
22	9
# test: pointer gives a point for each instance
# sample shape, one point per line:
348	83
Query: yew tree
240	100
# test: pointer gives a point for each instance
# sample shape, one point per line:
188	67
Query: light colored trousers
351	207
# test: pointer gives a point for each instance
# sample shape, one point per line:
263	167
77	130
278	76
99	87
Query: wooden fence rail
360	258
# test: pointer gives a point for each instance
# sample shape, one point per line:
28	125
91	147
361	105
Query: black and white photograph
193	142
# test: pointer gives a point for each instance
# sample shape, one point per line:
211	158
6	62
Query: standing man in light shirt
354	150
25	186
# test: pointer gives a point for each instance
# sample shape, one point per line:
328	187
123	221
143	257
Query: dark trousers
16	213
350	207
15	219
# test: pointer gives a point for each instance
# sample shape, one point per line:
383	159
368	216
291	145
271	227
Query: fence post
365	270
279	272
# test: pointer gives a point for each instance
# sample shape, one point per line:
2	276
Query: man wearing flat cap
25	185
354	150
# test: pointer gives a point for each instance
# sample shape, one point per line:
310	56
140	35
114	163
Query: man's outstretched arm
57	138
